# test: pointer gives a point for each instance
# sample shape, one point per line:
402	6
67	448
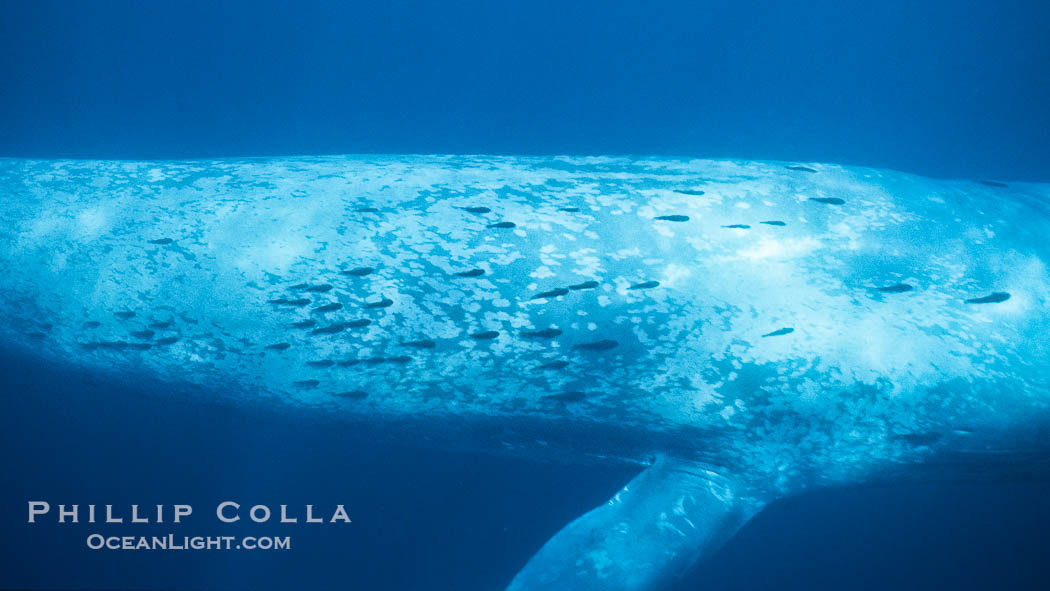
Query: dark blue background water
951	88
956	89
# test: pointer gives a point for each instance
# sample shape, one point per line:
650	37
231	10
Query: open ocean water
944	89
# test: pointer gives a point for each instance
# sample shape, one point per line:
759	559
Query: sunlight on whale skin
758	328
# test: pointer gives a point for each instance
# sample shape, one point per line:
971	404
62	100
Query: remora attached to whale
757	328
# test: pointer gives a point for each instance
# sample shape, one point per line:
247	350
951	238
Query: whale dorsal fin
668	517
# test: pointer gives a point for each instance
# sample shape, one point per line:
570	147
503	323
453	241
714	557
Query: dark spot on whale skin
399	359
308	384
828	200
553	365
584	285
322	363
572	396
336	328
383	303
279	346
672	218
779	332
358	272
125	315
546	333
298	303
799	168
420	344
304	324
898	288
167	341
143	334
546	295
92	324
695	192
366	210
993	298
503	225
773	223
327	308
994	184
359	323
470	273
738	226
602	345
569	209
477	209
487	335
645	285
162	241
160	325
324	288
352	394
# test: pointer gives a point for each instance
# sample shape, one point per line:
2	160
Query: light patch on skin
674	275
777	249
543	272
626	253
588	263
664	231
552	260
809	391
502	256
846	232
599	561
706	395
91	222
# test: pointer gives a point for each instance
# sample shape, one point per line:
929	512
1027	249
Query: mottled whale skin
760	328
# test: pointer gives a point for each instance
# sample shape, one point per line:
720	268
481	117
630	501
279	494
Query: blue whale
747	330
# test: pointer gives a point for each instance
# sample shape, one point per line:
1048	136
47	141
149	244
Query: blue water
942	88
955	89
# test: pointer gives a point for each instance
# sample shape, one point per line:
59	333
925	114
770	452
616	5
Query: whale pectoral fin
667	518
